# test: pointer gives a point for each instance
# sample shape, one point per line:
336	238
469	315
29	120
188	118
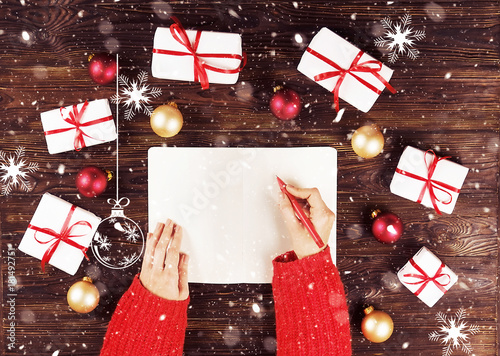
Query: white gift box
427	277
76	126
329	46
53	217
173	60
415	178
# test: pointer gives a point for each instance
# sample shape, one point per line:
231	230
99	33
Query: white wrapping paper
340	51
51	213
174	67
416	162
432	267
93	134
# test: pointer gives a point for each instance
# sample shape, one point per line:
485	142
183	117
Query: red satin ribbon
424	278
372	67
58	237
431	184
200	66
74	119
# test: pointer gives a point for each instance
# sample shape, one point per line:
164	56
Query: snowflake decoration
14	171
112	220
454	332
128	260
135	95
399	38
131	232
103	241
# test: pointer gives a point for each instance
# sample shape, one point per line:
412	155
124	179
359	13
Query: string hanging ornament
118	242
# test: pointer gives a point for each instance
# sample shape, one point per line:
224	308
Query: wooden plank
447	101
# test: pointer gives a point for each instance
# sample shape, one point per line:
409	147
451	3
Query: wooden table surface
447	101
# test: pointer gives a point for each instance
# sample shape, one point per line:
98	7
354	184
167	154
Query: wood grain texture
447	101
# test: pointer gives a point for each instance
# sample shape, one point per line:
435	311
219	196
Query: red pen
301	215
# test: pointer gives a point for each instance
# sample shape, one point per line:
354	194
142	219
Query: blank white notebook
226	201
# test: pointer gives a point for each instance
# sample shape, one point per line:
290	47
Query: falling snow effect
399	38
454	332
135	95
14	170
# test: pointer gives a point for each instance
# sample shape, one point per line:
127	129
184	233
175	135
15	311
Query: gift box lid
330	45
427	276
181	67
51	214
446	173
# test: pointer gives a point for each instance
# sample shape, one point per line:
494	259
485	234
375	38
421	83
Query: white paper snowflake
14	170
135	95
131	232
102	241
454	332
399	38
128	260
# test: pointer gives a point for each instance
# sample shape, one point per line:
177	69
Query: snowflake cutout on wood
454	332
135	95
399	38
102	241
14	170
128	260
131	232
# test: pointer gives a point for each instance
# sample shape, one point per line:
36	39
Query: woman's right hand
319	214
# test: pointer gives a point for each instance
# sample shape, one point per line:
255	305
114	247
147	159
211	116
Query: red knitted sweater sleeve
310	305
144	324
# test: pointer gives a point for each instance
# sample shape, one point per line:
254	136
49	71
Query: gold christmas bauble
83	296
377	326
166	120
367	141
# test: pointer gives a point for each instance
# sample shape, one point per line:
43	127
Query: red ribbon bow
200	66
424	278
431	184
63	236
74	119
372	67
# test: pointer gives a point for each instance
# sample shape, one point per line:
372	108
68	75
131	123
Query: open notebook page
226	201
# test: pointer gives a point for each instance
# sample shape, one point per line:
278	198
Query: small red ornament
102	68
285	103
387	227
91	181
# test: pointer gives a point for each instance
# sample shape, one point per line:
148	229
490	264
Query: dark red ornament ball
387	227
102	68
91	181
285	104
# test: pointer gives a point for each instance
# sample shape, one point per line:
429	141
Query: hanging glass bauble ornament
118	242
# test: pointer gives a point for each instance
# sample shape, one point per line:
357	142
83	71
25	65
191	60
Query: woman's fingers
312	195
161	247
288	213
183	275
172	258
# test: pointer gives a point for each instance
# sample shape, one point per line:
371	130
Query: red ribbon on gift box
200	66
431	184
74	119
425	279
58	237
372	67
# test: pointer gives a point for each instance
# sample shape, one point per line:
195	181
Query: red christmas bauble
285	104
91	181
102	68
387	227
